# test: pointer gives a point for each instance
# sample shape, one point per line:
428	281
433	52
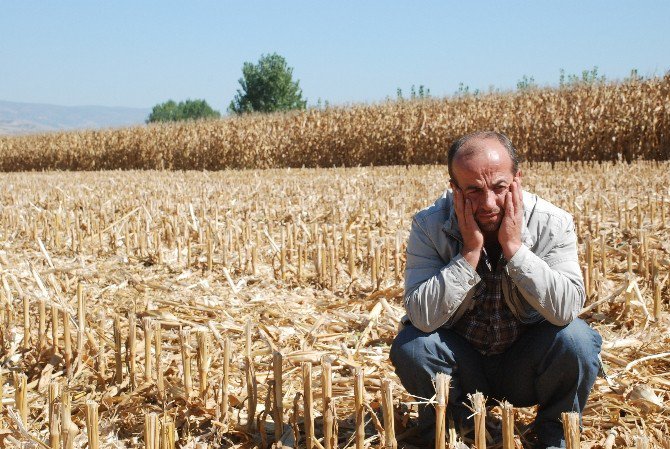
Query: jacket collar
450	226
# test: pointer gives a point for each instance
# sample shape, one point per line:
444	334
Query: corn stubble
186	308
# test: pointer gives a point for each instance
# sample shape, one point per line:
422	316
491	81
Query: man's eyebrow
473	187
497	183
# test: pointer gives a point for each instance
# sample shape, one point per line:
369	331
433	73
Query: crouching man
492	293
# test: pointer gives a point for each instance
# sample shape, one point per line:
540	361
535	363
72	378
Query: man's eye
500	189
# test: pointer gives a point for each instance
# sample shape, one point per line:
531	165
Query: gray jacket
541	281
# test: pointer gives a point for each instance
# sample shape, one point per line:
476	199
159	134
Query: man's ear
453	184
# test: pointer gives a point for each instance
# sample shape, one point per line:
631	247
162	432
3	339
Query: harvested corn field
604	121
243	308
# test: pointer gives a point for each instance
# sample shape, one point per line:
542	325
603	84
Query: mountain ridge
18	118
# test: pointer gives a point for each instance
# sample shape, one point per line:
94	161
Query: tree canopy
184	110
267	86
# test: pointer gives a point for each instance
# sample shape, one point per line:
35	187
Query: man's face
484	175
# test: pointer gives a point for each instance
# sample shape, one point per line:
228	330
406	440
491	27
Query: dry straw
591	122
95	228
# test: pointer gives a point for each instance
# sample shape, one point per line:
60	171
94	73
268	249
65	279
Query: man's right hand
473	239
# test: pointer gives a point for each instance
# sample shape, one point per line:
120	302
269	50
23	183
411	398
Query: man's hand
473	239
509	234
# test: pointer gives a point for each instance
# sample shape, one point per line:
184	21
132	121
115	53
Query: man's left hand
509	234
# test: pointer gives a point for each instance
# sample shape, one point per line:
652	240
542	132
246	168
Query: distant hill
29	118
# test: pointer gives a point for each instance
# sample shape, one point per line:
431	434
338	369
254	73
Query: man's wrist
510	250
472	257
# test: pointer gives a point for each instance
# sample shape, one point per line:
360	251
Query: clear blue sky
139	53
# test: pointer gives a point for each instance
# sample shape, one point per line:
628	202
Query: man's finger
509	205
458	203
518	196
470	216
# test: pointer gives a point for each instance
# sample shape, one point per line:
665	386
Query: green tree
526	83
587	77
421	94
463	90
634	77
184	110
267	86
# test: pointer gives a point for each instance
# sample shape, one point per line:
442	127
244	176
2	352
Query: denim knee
568	369
576	349
578	340
418	356
411	347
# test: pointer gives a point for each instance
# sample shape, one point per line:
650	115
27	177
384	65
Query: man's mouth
488	216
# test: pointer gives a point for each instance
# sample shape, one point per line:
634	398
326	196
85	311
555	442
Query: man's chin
489	226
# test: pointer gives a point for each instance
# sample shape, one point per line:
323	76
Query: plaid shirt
489	326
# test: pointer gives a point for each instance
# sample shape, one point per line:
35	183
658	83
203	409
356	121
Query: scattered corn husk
644	397
307	314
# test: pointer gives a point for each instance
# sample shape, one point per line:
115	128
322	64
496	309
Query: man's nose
490	201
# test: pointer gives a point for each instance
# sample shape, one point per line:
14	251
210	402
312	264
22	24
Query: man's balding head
472	143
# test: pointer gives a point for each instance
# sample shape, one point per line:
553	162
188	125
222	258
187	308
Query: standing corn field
594	122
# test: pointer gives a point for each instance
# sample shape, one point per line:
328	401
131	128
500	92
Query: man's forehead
485	152
482	158
478	145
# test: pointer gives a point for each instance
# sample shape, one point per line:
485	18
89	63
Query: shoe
420	436
530	440
415	439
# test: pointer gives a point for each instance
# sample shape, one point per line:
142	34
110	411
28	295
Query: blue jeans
551	366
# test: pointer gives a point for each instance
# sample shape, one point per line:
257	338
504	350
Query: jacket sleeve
433	290
553	284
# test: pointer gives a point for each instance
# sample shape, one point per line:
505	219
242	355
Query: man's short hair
482	135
